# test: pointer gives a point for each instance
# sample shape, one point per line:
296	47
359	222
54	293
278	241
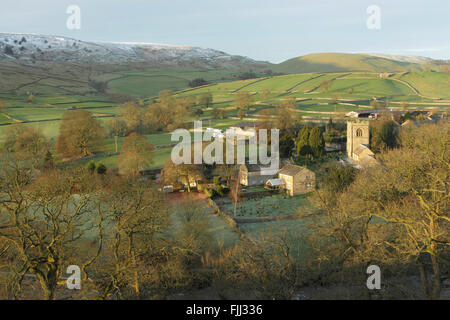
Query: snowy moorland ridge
402	58
26	48
34	47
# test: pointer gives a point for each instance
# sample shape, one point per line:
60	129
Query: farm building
193	178
371	114
216	133
254	175
274	184
297	180
244	125
243	131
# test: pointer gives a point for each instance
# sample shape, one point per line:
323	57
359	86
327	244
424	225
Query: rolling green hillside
430	84
341	62
346	91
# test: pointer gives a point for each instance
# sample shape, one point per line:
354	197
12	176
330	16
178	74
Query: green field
341	62
294	231
149	84
4	119
374	87
351	91
431	84
271	206
223	234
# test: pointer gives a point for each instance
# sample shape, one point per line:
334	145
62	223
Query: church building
358	143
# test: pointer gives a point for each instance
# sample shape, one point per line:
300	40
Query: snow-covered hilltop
32	47
402	58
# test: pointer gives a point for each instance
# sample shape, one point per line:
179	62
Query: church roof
361	149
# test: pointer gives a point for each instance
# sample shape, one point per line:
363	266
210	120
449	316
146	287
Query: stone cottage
297	180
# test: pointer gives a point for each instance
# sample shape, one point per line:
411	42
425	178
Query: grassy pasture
430	84
150	83
43	113
374	87
4	119
278	84
318	106
222	232
146	86
271	206
160	157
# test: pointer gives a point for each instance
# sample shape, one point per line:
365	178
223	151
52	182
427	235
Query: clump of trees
247	75
310	142
132	115
136	154
42	223
383	135
167	114
26	143
99	86
243	100
197	82
116	128
79	134
287	117
111	227
395	215
99	168
205	100
219	113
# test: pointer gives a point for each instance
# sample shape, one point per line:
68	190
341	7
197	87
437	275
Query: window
359	132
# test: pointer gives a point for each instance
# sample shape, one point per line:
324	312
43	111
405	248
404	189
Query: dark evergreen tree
317	142
48	161
91	166
101	168
303	147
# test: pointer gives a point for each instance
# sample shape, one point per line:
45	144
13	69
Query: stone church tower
357	134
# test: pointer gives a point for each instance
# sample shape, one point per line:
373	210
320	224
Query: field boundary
249	84
302	82
231	221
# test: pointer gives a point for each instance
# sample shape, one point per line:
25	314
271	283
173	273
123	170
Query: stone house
297	180
254	175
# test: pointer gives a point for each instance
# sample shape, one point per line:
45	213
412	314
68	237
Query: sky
267	30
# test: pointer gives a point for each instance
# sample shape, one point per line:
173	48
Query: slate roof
292	170
275	182
362	148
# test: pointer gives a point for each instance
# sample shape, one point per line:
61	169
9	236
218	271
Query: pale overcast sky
271	30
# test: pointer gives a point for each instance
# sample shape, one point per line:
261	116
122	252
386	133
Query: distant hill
403	58
31	48
342	62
